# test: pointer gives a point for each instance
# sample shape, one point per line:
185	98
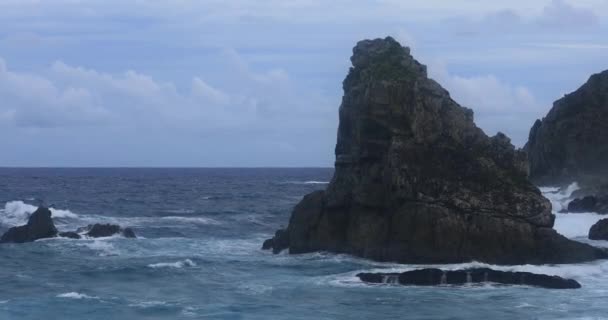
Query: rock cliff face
569	144
417	182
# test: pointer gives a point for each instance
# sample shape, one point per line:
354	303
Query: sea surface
199	256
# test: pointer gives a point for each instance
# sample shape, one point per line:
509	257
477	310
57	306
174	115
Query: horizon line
164	167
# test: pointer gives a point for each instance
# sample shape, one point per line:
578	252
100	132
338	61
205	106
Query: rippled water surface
199	257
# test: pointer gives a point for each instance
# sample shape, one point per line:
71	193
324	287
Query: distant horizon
161	167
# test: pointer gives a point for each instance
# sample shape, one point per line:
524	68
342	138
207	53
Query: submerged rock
599	231
569	144
435	277
39	226
106	230
416	181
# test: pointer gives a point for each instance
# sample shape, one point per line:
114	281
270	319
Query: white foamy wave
75	295
195	220
148	304
178	264
575	225
17	212
559	197
308	182
104	248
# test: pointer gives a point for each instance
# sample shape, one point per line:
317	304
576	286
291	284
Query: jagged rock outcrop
39	226
599	231
435	277
569	144
416	181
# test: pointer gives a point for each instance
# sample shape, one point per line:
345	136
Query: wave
75	295
177	265
17	213
195	220
180	211
559	197
104	248
576	225
307	182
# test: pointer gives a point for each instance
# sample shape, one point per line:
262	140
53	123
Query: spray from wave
17	212
571	225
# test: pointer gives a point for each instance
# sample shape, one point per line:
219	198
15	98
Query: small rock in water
39	226
106	230
599	231
434	277
69	234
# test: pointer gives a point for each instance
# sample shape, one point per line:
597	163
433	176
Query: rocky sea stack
416	181
569	144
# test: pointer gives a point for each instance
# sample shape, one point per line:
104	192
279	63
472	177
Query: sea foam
178	264
17	212
75	295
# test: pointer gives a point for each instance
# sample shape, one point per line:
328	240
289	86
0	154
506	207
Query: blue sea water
199	256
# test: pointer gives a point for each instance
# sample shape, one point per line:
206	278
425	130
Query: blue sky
258	83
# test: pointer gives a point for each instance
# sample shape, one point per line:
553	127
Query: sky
246	83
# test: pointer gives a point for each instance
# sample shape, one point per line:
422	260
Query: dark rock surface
106	230
569	144
599	231
70	234
597	204
39	226
416	181
434	277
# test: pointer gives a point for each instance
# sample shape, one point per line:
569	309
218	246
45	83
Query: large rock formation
39	226
436	277
569	144
417	182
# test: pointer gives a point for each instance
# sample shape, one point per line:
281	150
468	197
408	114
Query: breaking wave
17	212
308	182
75	295
177	265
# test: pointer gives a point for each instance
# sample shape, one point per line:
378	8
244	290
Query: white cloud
563	15
67	96
498	106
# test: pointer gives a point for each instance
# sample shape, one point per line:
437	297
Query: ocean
198	255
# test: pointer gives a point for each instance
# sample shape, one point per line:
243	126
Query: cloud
76	96
498	106
560	14
32	100
556	15
244	79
